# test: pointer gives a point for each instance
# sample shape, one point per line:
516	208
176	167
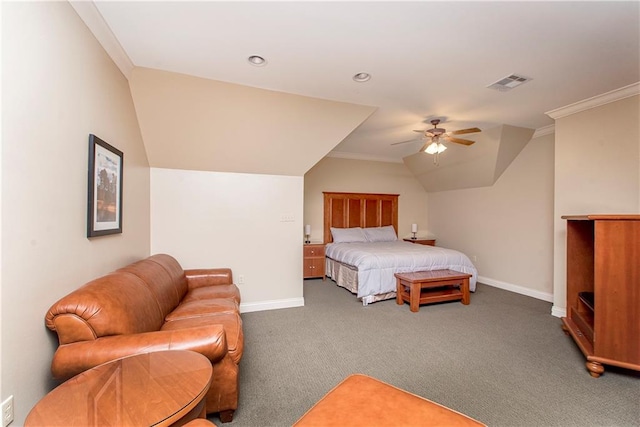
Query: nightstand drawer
313	251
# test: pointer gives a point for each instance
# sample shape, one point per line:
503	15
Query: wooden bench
424	287
363	401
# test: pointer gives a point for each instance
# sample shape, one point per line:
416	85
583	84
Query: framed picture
104	207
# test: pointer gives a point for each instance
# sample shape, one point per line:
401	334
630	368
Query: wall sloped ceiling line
194	123
477	165
513	139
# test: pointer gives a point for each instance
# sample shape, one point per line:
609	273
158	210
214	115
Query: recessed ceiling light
256	60
362	77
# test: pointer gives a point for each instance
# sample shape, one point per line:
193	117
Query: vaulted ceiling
426	59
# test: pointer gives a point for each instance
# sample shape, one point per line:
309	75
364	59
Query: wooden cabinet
313	261
429	242
603	289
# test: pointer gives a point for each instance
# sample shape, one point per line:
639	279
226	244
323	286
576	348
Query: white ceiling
427	59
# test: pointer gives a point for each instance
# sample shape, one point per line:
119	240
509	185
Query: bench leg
465	292
398	292
414	297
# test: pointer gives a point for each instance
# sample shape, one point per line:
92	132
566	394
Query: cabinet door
617	290
313	267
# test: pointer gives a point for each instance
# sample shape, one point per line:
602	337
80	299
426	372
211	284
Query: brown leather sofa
153	305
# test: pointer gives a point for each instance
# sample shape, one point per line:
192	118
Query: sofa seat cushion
213	292
231	322
205	307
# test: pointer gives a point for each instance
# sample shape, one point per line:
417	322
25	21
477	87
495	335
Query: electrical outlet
7	411
241	279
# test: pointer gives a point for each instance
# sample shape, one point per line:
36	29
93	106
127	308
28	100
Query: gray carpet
502	360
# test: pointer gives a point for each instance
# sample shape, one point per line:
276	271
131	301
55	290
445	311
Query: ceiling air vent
509	82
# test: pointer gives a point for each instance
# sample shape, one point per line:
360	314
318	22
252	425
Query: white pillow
381	234
348	235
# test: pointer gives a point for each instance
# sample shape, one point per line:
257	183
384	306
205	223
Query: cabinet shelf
587	299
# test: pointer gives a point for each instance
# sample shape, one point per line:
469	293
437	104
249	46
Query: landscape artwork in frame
105	188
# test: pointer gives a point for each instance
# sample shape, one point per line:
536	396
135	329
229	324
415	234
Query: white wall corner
93	19
544	296
271	305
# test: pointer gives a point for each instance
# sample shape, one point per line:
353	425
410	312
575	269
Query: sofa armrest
197	278
72	359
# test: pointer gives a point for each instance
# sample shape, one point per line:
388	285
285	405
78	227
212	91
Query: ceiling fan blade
459	140
424	147
404	142
463	131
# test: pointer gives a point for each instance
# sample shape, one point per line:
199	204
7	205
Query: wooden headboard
346	210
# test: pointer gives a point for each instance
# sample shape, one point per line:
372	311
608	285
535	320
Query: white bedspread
377	262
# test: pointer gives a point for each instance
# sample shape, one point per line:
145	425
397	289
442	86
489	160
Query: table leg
465	292
414	297
398	292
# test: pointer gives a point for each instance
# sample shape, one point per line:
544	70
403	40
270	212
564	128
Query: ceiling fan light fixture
362	77
432	148
257	60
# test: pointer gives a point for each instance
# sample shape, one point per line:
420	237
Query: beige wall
597	171
218	219
58	86
505	229
200	124
364	176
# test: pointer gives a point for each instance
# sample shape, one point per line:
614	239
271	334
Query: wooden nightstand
313	261
430	242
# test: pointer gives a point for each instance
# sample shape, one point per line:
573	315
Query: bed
363	251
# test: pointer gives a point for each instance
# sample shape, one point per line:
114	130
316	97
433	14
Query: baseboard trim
558	311
517	289
271	305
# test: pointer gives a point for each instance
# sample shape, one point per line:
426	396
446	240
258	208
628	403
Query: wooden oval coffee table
151	389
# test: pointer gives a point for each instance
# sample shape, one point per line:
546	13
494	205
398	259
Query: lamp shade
432	148
414	228
307	229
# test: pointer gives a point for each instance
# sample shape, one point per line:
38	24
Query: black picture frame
104	196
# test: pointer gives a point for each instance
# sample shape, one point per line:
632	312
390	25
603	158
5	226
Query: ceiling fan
434	145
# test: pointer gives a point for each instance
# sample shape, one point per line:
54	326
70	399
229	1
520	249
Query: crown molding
596	101
547	130
93	19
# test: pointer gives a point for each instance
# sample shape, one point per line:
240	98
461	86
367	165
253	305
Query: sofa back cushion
173	267
160	282
116	304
